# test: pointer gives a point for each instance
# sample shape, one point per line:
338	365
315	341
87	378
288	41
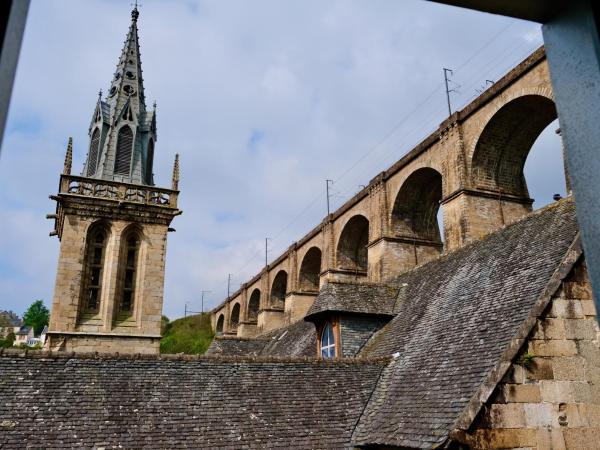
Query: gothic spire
175	181
68	158
122	132
128	83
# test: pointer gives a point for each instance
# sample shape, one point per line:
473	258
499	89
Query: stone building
374	331
112	223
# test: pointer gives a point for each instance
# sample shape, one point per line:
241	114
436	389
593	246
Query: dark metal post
447	89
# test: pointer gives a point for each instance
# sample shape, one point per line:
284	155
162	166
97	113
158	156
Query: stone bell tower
112	223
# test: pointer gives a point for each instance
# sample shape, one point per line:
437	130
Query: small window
327	342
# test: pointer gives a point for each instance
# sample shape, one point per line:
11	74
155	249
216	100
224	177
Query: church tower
112	223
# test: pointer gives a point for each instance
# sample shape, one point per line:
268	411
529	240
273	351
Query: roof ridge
49	354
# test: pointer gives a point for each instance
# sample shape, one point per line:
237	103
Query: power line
385	137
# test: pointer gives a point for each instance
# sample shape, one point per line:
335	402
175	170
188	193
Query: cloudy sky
263	100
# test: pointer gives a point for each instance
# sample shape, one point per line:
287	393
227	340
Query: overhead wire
392	131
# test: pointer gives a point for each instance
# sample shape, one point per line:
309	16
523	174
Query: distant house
5	331
23	336
43	334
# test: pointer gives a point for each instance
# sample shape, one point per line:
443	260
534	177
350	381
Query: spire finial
154	105
100	94
175	182
68	158
135	13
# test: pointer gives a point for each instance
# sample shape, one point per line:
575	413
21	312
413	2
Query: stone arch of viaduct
471	167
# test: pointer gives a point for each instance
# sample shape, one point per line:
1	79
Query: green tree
37	316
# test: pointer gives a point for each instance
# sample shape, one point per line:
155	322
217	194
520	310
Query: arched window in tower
124	149
94	269
93	155
150	161
129	263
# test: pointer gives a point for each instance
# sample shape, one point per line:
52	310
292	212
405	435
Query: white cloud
320	81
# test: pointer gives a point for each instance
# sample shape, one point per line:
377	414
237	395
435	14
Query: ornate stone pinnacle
175	182
68	158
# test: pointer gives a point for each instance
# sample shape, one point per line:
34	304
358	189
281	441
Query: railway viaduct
471	167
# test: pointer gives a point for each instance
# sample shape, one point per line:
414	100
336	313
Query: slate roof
362	298
188	403
232	346
24	330
455	317
105	109
297	339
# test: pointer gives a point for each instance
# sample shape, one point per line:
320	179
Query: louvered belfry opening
93	156
124	148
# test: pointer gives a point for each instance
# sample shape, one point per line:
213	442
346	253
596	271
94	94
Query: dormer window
327	343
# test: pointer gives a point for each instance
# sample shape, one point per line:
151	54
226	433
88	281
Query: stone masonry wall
66	322
550	397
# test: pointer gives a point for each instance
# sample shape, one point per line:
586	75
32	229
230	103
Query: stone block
589	414
592	375
583	392
539	369
521	393
580	328
590	351
550	329
582	438
553	348
575	290
510	415
550	438
556	391
568	309
569	368
569	416
588	307
538	415
516	375
505	438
